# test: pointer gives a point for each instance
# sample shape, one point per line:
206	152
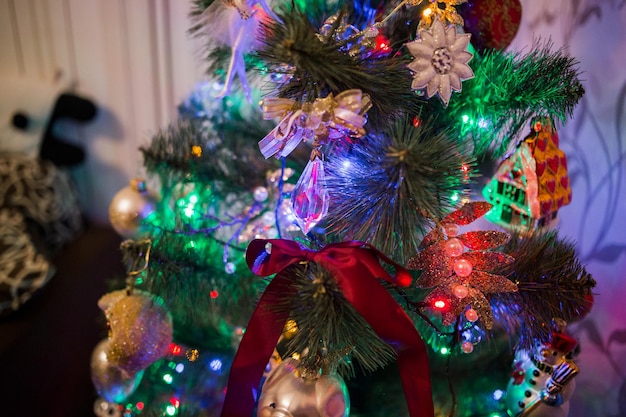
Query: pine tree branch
317	67
330	330
386	189
551	284
507	90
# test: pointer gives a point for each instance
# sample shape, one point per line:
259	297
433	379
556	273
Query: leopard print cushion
23	270
44	195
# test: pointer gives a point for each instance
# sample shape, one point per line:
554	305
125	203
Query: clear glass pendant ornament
310	197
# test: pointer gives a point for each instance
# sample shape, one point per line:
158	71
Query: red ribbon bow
356	267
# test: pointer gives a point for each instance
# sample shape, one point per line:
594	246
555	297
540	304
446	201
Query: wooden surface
45	348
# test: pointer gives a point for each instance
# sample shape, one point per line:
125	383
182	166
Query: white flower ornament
440	62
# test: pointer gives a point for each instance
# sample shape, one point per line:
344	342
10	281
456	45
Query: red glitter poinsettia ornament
461	268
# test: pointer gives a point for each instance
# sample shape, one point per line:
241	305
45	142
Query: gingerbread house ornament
532	184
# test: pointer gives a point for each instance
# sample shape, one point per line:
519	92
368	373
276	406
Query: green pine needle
385	190
318	68
230	156
507	90
197	9
330	330
551	284
186	275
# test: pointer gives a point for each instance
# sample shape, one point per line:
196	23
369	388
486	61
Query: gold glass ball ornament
130	207
112	383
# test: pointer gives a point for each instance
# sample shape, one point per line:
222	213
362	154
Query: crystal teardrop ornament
310	197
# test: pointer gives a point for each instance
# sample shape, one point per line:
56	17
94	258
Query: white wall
134	58
594	31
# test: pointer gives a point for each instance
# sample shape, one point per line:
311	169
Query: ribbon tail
291	143
283	139
371	259
393	325
256	347
274	107
270	145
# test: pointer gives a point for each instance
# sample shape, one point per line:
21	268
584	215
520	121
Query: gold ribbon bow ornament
324	119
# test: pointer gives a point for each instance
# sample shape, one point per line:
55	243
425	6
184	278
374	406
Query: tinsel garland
507	90
387	189
551	283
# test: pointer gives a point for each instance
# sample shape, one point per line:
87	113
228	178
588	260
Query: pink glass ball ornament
454	247
460	291
463	267
471	315
467	347
451	229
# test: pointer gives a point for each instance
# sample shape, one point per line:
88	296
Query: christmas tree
311	237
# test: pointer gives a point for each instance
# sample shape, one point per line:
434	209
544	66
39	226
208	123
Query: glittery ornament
442	10
130	207
487	260
490	283
467	214
434	263
480	303
112	383
290	391
479	240
449	273
140	329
